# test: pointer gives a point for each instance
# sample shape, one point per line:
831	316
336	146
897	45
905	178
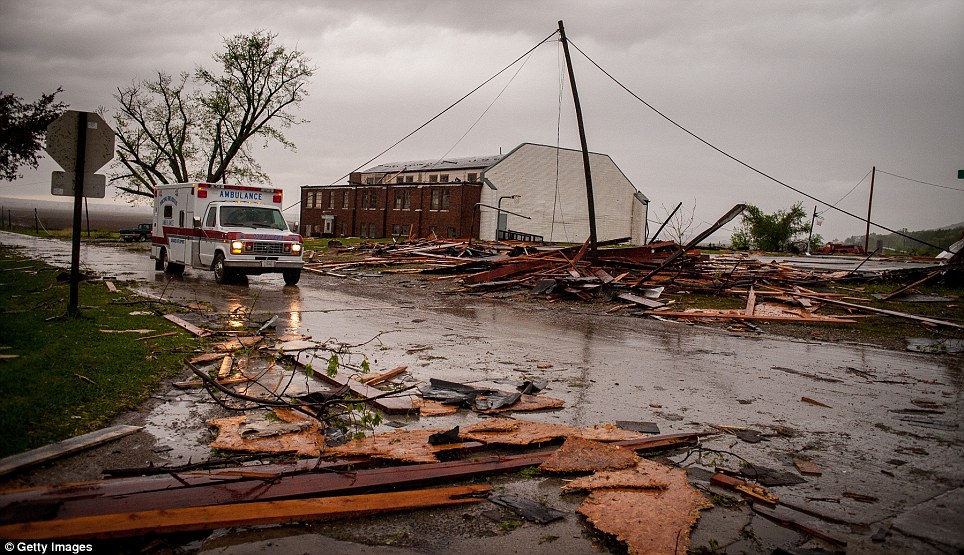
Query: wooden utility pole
582	140
870	205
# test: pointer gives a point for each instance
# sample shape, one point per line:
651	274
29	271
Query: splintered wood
651	508
584	455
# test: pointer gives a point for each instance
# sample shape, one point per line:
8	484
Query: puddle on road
178	425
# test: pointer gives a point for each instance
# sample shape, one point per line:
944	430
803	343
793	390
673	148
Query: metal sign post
80	142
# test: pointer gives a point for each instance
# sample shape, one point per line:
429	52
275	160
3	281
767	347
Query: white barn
547	185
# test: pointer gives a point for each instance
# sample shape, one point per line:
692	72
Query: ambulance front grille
267	248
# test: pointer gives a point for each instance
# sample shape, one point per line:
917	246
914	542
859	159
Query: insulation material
308	441
400	445
585	455
510	431
647	521
529	403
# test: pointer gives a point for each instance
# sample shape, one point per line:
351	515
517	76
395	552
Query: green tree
770	232
201	126
23	129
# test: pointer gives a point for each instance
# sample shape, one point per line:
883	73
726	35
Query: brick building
460	198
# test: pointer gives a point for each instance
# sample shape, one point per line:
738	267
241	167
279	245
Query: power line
438	115
744	164
922	182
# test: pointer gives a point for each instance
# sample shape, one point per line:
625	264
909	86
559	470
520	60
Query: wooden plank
891	313
64	448
121	525
750	302
389	405
225	370
740	316
636	299
384	376
167	334
926	278
187	325
192	490
110	286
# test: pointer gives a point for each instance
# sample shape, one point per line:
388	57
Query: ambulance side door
208	242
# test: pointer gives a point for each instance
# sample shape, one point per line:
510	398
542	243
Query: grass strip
61	377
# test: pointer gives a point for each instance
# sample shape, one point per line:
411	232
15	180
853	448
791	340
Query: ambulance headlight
296	248
237	247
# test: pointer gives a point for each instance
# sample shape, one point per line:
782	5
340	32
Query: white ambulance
228	229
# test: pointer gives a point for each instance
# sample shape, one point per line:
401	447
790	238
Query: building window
331	199
403	199
369	181
344	229
399	179
406	230
472	177
409	179
445	199
371	230
433	179
373	200
444	178
436	199
450	233
344	201
396	229
364	199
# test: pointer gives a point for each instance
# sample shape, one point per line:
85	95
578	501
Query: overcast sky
811	93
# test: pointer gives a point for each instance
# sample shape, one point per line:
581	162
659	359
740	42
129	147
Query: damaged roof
436	165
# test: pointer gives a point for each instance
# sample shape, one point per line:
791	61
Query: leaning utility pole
870	205
582	140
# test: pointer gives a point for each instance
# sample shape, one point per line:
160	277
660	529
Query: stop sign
63	134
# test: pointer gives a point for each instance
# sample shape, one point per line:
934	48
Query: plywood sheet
400	445
585	455
648	520
529	403
308	442
427	407
511	431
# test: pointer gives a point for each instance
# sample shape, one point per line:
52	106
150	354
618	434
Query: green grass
47	391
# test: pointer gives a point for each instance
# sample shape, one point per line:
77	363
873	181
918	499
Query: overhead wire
922	182
487	108
438	115
745	164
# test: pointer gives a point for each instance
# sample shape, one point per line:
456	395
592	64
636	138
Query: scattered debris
807	468
815	402
510	431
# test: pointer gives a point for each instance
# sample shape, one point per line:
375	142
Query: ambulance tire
222	274
291	276
172	268
159	261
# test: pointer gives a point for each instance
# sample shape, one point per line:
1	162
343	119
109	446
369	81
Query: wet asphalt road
885	462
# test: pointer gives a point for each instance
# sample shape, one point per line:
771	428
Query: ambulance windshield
253	216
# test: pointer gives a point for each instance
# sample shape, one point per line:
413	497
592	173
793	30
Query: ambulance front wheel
291	276
221	273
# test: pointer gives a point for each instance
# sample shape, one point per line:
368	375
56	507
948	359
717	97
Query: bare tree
201	127
677	225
